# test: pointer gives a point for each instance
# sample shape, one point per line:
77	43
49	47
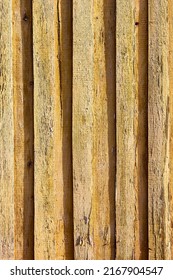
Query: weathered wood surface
170	15
94	128
52	118
6	134
143	128
160	129
23	130
86	130
131	129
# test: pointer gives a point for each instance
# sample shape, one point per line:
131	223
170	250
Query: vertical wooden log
6	134
103	137
170	14
23	129
52	100
65	68
94	128
160	112
82	127
131	139
142	136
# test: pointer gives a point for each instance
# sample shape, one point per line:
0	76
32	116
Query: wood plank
6	134
171	118
142	136
52	97
23	129
65	64
131	130
94	128
160	112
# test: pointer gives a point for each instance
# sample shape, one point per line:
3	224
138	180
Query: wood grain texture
6	134
131	129
170	15
52	100
86	129
23	130
142	136
94	128
160	142
65	68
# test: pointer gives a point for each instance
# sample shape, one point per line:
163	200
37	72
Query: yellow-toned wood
65	68
160	129
131	129
23	130
142	136
94	128
170	15
52	97
6	134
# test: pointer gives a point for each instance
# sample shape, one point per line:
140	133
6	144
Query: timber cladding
86	129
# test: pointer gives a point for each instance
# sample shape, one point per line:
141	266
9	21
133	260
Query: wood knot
79	241
29	163
25	17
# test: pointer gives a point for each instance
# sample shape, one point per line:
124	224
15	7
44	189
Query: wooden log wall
86	161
